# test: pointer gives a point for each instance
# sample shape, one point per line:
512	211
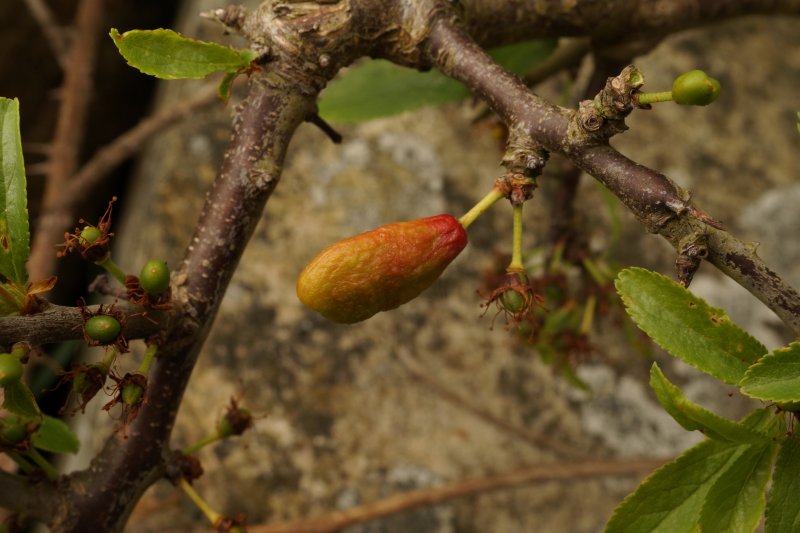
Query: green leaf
55	436
20	401
670	500
169	55
686	326
380	88
12	297
14	231
737	499
783	513
775	377
694	417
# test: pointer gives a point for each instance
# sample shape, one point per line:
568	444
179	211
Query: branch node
231	17
598	120
326	128
692	249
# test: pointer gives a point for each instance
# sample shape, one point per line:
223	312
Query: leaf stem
478	209
213	516
48	469
149	355
23	463
205	441
516	247
112	268
652	98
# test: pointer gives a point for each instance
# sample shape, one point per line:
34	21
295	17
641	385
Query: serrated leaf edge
701	301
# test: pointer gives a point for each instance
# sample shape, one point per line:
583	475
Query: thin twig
68	138
538	441
658	203
326	128
127	144
53	34
337	520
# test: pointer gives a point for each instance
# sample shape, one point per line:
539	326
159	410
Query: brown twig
60	323
127	144
53	34
101	498
337	520
659	204
537	440
68	137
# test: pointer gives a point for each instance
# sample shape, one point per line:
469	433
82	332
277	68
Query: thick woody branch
661	206
101	498
26	498
493	22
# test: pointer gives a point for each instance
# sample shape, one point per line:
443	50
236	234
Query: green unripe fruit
695	88
12	430
10	369
512	301
154	277
103	328
89	235
132	393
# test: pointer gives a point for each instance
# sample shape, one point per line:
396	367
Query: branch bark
102	497
308	47
61	323
658	203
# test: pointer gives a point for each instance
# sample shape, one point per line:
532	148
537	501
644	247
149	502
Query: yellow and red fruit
380	269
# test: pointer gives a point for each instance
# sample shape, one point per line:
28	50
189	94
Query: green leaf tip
686	326
14	230
775	377
169	55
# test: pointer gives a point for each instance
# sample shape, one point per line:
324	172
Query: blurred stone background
339	419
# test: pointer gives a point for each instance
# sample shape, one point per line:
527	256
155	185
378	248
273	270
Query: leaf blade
775	377
671	498
20	400
14	230
783	515
693	417
169	55
55	436
686	326
380	88
737	499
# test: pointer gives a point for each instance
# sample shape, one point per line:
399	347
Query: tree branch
70	128
127	144
28	499
409	500
101	498
52	33
658	203
60	323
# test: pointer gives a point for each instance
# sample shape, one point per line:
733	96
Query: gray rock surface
339	421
